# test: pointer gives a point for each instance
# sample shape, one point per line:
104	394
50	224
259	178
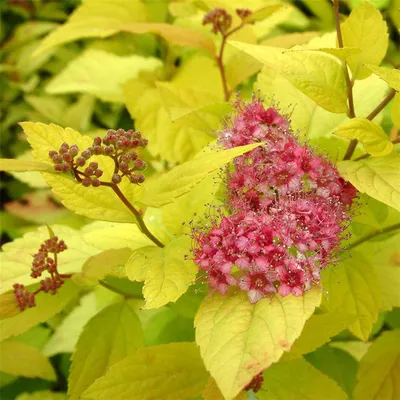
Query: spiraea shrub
201	200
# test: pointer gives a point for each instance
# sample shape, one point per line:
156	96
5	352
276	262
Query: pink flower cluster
287	207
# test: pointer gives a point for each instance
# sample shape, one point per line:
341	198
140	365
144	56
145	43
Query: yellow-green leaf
21	359
169	372
165	272
11	165
352	288
296	380
395	111
238	340
8	306
95	18
317	75
173	34
390	75
378	177
42	395
109	337
212	392
97	203
378	374
46	307
101	74
342	53
184	177
365	29
371	135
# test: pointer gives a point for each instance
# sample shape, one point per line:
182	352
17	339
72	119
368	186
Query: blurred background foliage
77	82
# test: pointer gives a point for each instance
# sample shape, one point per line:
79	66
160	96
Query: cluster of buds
120	145
256	383
287	209
44	260
221	20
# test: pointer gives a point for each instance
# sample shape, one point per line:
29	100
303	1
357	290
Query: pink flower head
288	210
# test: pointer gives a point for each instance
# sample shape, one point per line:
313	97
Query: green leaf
165	272
101	74
395	111
46	307
356	349
298	379
96	203
315	74
352	288
342	53
238	340
212	392
336	364
42	395
95	18
172	371
378	177
109	337
377	376
317	331
67	333
23	360
390	75
371	135
262	13
11	165
181	179
16	258
365	29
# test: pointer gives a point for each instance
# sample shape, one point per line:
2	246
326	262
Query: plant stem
372	235
220	57
382	105
394	141
135	212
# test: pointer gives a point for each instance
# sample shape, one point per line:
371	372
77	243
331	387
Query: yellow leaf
378	177
211	392
42	395
8	306
395	111
365	29
378	374
390	75
238	340
11	165
101	74
165	272
22	360
184	177
371	135
95	18
317	75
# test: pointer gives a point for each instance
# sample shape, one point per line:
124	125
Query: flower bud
116	178
97	141
86	154
95	182
86	182
80	161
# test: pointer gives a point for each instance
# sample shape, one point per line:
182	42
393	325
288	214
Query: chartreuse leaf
165	272
16	257
95	18
67	333
336	364
238	340
355	348
8	306
101	74
352	288
45	308
184	177
298	379
317	75
365	29
169	372
378	374
212	392
42	395
390	75
109	337
378	177
11	165
23	360
395	111
371	135
317	331
96	203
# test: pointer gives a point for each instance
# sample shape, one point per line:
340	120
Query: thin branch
382	105
373	235
394	141
135	212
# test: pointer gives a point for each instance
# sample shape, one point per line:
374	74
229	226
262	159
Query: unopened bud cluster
221	20
119	144
44	260
286	211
